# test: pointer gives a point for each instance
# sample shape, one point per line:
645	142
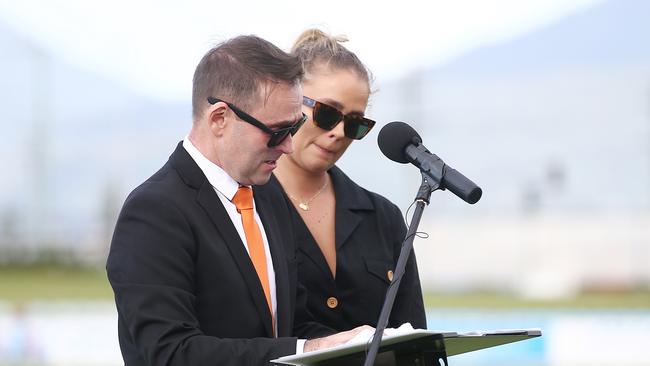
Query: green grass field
45	282
48	282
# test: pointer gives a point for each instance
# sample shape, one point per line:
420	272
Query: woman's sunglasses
277	136
327	117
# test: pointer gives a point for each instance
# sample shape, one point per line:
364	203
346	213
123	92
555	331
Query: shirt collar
217	177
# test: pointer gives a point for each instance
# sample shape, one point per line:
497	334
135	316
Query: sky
153	46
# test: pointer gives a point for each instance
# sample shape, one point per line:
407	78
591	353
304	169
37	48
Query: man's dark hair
235	71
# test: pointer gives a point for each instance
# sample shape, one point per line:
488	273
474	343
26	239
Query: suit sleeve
151	269
409	304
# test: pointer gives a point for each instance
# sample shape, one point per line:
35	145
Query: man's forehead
270	88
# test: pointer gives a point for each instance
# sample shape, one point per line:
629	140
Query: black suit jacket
369	233
185	288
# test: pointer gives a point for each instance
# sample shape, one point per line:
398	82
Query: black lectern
418	347
425	351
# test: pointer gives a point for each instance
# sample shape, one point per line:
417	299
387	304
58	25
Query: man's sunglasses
327	117
277	136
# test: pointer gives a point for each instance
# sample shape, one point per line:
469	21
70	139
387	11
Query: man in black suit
199	277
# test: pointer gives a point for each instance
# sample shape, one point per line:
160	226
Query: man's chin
261	179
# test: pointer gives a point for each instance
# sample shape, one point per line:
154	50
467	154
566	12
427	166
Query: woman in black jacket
349	237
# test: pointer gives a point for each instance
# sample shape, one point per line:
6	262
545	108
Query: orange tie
243	200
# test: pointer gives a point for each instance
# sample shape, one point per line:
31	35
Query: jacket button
389	274
332	302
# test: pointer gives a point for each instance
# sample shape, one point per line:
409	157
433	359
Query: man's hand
334	339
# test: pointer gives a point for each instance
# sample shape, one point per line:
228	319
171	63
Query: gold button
332	302
389	274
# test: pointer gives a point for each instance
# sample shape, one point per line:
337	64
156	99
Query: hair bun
315	47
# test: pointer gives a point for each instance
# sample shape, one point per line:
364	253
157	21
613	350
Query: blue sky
153	46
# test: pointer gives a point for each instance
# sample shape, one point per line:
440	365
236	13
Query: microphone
401	143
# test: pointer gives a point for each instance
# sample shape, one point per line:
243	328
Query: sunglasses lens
357	127
277	137
280	135
326	117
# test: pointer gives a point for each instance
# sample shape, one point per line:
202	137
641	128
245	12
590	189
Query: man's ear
217	119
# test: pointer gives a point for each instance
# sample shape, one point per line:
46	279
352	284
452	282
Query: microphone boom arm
422	198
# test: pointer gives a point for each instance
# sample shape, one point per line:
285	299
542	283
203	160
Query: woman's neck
297	180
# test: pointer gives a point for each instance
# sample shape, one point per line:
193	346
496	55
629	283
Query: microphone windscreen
394	138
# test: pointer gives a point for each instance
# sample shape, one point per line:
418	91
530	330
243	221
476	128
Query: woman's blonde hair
315	48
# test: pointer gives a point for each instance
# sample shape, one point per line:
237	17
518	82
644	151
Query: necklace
304	205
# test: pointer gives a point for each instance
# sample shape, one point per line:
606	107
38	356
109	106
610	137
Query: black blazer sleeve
151	269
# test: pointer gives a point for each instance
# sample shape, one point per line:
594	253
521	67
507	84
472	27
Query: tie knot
243	199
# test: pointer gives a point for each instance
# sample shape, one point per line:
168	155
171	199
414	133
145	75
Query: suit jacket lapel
311	248
207	198
349	199
271	227
303	235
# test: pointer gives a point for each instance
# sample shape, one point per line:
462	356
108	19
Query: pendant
303	206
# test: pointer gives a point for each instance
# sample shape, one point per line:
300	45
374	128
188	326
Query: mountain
557	119
612	34
70	136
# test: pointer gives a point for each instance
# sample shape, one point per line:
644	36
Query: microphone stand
422	198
